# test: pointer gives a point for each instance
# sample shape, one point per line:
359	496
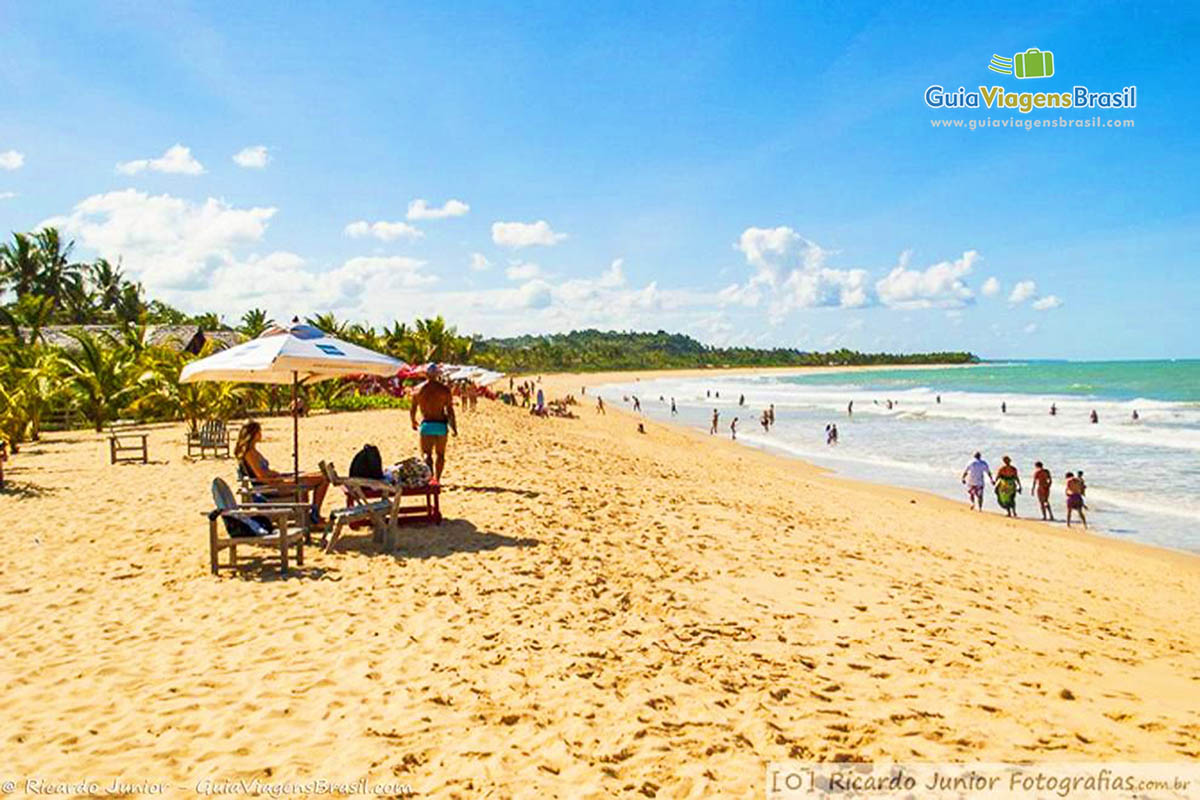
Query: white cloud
535	294
991	287
761	245
825	287
177	160
938	286
255	157
7	195
382	230
614	276
479	262
164	241
11	159
1031	328
1046	303
522	271
1022	292
525	234
418	209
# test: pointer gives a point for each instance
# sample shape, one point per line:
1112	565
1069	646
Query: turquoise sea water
1142	474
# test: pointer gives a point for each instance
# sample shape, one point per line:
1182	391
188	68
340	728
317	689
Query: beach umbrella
295	354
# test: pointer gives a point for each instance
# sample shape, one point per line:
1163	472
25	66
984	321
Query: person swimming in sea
1075	488
1008	486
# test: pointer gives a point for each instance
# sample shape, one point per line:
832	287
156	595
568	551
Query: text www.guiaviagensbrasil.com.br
988	123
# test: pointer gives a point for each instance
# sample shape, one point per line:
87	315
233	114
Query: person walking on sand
1075	499
733	429
600	406
436	405
637	404
1041	486
972	478
715	421
1008	486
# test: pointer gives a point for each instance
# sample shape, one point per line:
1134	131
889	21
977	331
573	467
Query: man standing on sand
733	429
1041	485
716	419
436	403
600	406
973	478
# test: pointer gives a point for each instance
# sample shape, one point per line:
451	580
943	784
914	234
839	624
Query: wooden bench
127	445
212	435
287	519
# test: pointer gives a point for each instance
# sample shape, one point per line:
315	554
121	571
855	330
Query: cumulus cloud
479	262
164	241
11	159
991	287
938	286
1046	303
522	271
790	273
762	246
525	234
382	230
177	160
255	157
1022	292
419	209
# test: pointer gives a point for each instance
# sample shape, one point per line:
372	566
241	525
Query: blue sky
747	173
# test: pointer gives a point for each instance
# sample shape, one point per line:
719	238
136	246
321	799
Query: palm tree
109	283
58	276
254	322
105	378
328	323
19	265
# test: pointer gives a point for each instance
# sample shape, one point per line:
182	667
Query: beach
603	612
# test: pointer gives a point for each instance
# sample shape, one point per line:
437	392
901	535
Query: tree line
118	372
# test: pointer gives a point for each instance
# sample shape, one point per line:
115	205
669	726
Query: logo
1033	63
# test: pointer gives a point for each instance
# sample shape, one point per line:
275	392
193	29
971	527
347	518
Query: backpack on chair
367	463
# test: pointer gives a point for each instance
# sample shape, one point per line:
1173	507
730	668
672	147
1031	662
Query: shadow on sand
529	493
431	541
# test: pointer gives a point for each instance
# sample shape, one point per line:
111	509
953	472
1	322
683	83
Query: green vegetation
121	371
592	350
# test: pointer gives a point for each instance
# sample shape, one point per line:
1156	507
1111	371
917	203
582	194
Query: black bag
367	463
239	528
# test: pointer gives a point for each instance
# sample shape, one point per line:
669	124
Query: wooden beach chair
212	435
288	520
367	503
126	445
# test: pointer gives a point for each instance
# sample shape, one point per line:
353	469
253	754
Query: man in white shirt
973	477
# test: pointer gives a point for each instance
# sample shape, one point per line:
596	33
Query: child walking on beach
1075	499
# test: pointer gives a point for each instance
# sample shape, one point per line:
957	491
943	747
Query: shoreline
592	380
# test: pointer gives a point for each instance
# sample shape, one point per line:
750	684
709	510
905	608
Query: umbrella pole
295	435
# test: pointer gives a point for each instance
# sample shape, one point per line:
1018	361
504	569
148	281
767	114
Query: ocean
1142	475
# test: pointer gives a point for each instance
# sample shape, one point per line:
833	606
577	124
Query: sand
602	612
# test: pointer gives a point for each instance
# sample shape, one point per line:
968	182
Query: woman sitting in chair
254	464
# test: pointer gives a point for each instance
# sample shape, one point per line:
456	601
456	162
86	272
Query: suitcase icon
1033	63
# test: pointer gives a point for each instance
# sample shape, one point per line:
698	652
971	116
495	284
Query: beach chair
367	503
212	435
125	444
288	522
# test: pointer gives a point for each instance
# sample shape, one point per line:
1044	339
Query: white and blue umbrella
295	354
